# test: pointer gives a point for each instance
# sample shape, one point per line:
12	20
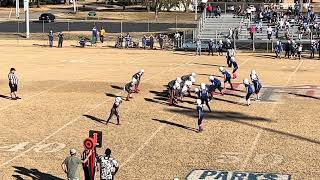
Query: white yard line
145	143
257	138
79	117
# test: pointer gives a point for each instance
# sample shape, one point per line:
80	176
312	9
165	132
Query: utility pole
196	10
74	6
26	12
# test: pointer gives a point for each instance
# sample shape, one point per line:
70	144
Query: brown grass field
67	92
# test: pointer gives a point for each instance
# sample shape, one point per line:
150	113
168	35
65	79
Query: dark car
47	17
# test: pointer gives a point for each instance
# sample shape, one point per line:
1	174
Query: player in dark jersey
226	76
115	110
235	67
129	88
174	86
138	76
200	112
249	90
215	84
256	83
204	95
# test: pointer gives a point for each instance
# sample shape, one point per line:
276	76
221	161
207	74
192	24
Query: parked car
47	17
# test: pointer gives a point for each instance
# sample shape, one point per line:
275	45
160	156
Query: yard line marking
79	117
145	143
257	138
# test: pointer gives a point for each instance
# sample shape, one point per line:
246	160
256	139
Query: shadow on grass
175	124
34	174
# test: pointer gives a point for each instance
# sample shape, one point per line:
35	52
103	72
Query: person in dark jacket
60	39
210	45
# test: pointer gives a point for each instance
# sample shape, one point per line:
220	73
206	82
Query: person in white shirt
269	32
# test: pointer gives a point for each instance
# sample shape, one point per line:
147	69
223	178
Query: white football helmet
141	71
246	81
203	86
221	69
178	80
118	99
199	102
211	78
194	74
253	71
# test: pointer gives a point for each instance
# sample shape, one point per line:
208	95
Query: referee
13	84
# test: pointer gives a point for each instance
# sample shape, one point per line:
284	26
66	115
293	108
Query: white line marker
257	138
145	143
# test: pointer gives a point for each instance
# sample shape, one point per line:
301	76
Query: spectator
71	163
127	41
218	11
102	34
83	42
269	32
85	166
209	10
60	39
253	30
313	48
318	47
176	39
50	36
210	45
198	52
151	41
107	166
299	50
300	33
287	49
13	84
144	42
278	49
236	33
220	46
230	35
161	40
94	36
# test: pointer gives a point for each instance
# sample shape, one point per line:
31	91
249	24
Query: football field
67	92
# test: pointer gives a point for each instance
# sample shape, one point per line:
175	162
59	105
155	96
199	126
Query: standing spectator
236	33
218	11
220	46
107	166
94	36
161	40
277	32
144	41
209	10
210	45
230	35
313	48
85	166
102	33
127	40
13	84
300	33
60	39
253	30
269	32
299	50
71	163
151	41
176	39
198	52
50	36
278	50
287	49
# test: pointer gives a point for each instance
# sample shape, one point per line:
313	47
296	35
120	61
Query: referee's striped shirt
13	78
